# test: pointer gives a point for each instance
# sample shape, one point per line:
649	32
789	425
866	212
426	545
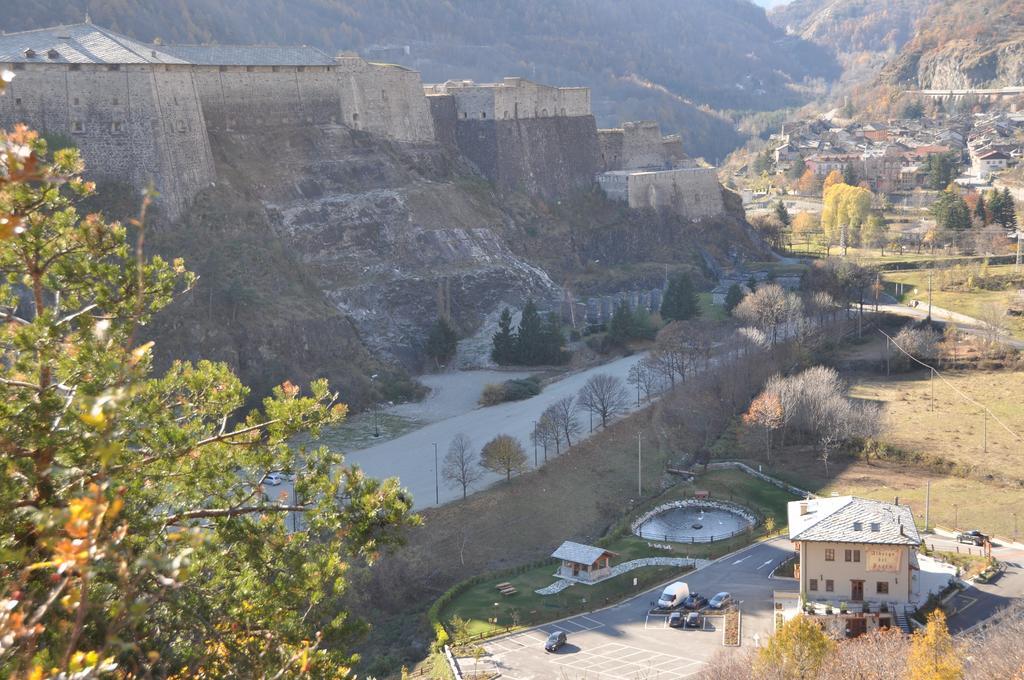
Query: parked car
555	642
695	601
973	537
694	620
720	601
676	620
273	479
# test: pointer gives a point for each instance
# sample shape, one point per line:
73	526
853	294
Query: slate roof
80	44
579	553
848	519
90	44
249	55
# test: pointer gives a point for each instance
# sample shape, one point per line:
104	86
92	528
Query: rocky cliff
964	44
325	251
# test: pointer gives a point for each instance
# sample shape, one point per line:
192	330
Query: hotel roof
848	519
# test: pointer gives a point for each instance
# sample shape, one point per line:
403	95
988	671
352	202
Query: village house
857	561
583	563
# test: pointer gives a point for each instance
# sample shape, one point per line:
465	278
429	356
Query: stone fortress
145	113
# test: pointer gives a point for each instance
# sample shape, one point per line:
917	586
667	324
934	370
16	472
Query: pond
693	524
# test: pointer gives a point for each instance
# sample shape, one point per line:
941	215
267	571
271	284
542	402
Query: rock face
964	44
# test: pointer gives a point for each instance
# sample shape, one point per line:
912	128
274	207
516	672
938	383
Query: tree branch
232	512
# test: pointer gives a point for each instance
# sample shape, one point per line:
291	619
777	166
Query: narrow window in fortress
465	114
117	126
115	101
78	126
181	126
74	67
300	69
113	67
250	69
275	69
222	69
383	95
483	114
75	101
506	114
563	112
17	101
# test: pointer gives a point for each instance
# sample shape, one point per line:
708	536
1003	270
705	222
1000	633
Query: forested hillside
644	59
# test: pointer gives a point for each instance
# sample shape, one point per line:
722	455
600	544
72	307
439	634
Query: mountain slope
986	49
653	58
851	26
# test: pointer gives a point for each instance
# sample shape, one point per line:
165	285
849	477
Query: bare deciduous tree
460	464
645	377
766	308
993	324
604	395
546	433
563	415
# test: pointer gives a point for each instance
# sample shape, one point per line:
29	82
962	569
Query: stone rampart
691	192
250	98
133	123
442	111
642	146
384	99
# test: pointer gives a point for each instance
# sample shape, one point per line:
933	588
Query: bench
509	591
502	586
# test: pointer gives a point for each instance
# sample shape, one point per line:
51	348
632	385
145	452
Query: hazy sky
770	3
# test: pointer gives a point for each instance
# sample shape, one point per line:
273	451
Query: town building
857	561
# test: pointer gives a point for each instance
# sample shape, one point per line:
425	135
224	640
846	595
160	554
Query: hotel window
830	586
856	555
882	587
813	584
830	554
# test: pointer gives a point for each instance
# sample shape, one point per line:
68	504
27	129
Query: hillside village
313	368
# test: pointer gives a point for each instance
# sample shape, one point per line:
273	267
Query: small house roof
579	553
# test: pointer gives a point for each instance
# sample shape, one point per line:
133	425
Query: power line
935	372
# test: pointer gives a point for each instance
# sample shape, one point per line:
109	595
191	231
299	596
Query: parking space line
597	624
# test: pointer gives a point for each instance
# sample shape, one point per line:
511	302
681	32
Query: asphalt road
623	641
980	601
411	456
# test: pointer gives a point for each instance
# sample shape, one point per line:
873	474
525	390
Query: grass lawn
477	604
711	311
971	302
970	565
955	430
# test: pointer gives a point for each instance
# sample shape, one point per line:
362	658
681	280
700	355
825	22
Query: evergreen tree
680	301
797	169
951	212
620	328
503	351
530	349
782	215
1008	212
850	175
733	297
979	210
442	342
551	341
940	170
995	206
643	325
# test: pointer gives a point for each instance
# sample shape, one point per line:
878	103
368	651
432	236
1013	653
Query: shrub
510	390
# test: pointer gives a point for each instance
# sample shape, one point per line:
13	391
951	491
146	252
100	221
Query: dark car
675	620
973	537
554	642
695	601
693	620
720	601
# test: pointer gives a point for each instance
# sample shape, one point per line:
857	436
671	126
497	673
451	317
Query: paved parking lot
624	642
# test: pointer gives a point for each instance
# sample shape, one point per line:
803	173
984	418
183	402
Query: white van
673	595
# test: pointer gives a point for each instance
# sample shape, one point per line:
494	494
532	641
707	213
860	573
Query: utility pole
437	485
931	383
930	292
927	502
535	444
1020	235
985	433
639	466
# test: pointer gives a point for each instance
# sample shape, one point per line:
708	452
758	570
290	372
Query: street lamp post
535	463
437	485
956	516
376	412
639	466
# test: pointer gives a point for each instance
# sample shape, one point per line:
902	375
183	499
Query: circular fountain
692	521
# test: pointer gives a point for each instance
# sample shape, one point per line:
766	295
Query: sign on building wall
883	559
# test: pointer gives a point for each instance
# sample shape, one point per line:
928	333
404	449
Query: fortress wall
385	100
442	111
250	98
672	148
610	142
690	192
548	157
477	103
121	120
642	146
519	98
185	161
477	140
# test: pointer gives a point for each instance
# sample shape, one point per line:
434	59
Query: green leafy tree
139	535
680	301
503	350
442	342
798	649
733	297
643	325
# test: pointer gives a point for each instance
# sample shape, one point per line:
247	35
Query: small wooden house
583	563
